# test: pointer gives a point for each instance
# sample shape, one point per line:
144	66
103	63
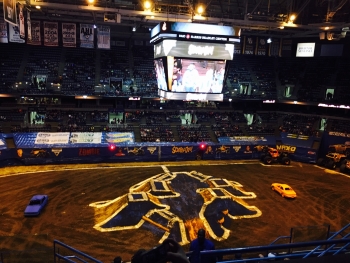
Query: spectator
200	244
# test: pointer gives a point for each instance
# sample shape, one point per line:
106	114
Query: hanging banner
286	48
69	33
249	45
10	13
86	36
22	32
51	34
29	28
14	34
275	47
36	33
261	47
103	37
237	49
3	32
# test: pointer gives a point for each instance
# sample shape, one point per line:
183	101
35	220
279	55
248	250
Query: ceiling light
37	7
133	28
269	40
326	28
200	9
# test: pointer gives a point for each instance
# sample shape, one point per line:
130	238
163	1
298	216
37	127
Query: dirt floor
323	198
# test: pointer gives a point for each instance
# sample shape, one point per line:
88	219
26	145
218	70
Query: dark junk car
36	205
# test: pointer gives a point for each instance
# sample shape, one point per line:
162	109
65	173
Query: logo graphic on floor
175	205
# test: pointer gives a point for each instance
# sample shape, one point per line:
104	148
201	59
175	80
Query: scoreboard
190	59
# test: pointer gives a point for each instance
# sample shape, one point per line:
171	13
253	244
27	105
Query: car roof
284	185
36	197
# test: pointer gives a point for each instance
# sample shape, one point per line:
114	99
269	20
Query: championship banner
103	37
51	34
275	47
69	34
261	47
3	32
86	36
36	33
22	32
238	48
29	27
10	12
286	48
14	34
249	45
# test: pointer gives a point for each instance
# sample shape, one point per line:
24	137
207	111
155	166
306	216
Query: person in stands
200	244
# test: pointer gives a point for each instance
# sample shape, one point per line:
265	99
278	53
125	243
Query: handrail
330	238
66	258
273	242
230	251
324	252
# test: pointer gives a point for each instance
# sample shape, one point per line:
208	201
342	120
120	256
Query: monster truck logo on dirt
172	205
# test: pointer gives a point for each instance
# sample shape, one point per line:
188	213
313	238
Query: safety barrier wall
46	148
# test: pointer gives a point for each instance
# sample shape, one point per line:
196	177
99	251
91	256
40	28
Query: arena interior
97	113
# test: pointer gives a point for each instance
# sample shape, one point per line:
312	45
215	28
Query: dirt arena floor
323	198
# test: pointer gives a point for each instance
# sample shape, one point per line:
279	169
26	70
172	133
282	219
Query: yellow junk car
284	190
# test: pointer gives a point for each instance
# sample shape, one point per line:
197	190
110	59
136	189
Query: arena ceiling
255	17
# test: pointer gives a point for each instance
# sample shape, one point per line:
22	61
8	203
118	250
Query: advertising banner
36	33
3	32
86	36
86	137
51	34
69	38
10	12
52	138
14	34
103	37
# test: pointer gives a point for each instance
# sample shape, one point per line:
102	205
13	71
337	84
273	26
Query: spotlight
133	28
269	40
95	26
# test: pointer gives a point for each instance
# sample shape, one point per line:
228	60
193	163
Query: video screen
160	74
193	75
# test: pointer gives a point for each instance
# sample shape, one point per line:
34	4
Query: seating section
11	57
114	64
15	115
300	124
193	133
79	72
144	73
156	133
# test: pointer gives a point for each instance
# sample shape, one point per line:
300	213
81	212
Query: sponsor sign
52	138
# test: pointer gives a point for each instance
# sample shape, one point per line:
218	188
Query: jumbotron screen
195	75
160	74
